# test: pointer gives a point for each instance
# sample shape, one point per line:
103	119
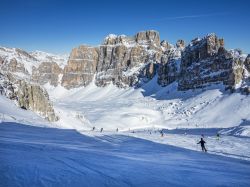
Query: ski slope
151	106
35	152
35	156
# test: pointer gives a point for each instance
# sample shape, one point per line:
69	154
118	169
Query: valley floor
35	156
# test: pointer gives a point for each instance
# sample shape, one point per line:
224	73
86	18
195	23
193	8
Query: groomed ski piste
131	150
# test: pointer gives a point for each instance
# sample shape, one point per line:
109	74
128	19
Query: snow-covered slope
10	112
32	156
150	106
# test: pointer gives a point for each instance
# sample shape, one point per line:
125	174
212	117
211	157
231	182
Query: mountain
131	107
18	78
180	82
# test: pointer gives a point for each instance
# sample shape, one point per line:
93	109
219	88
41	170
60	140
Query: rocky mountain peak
127	61
113	39
180	44
148	37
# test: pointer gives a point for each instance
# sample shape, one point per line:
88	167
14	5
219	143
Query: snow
23	58
153	106
10	112
111	36
33	59
60	59
69	153
34	156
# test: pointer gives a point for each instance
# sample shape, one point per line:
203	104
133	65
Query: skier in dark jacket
202	142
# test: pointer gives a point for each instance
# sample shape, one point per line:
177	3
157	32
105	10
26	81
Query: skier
93	128
117	130
202	142
101	129
1	90
161	132
218	136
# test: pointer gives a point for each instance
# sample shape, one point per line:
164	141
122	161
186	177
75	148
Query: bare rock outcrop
124	61
13	66
247	63
35	98
28	96
150	37
81	67
169	68
206	61
180	44
47	72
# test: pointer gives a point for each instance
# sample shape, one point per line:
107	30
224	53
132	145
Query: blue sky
59	25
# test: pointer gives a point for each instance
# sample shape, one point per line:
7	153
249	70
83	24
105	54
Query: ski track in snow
35	156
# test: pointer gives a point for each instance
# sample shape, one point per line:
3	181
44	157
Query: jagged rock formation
148	38
180	44
47	72
27	96
13	66
124	60
131	61
81	67
12	60
206	61
247	63
35	98
120	60
169	67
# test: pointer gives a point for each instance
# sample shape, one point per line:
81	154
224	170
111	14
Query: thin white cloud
193	16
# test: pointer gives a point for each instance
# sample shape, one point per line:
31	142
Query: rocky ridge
27	96
130	62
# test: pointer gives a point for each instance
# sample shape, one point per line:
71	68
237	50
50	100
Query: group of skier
202	142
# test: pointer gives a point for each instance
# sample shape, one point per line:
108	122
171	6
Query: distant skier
202	142
1	90
117	130
218	136
162	134
101	129
93	128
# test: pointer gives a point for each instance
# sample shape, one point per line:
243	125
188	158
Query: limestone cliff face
81	67
169	67
206	61
28	96
35	98
247	63
132	61
148	38
124	61
47	72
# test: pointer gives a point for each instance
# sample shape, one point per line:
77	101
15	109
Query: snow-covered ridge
7	54
60	59
32	59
